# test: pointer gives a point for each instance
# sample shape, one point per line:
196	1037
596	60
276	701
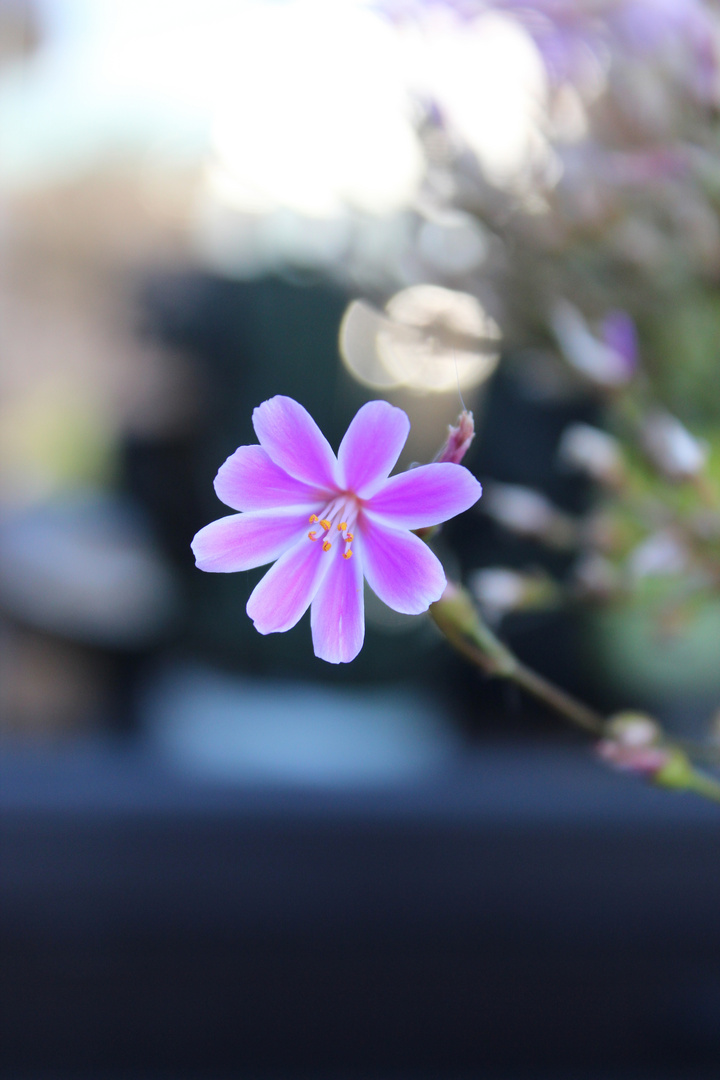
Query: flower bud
592	451
646	760
598	360
661	555
526	512
596	577
633	745
500	591
634	729
459	439
671	447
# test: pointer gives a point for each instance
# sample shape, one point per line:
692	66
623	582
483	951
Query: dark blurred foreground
519	913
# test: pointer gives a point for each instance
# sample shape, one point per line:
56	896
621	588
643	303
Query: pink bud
459	439
633	745
645	760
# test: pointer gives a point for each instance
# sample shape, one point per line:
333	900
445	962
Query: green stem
469	635
458	619
678	774
704	785
563	703
704	752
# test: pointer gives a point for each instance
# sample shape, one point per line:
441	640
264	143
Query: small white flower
498	590
671	447
591	357
592	451
661	554
526	512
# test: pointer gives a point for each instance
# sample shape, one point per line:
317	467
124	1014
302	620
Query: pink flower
327	522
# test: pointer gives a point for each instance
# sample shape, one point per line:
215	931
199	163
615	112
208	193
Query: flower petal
337	615
250	480
293	440
283	596
243	541
401	570
425	496
371	446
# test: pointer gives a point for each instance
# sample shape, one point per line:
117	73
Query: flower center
338	516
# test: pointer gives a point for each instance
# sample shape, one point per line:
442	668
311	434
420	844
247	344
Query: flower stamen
340	513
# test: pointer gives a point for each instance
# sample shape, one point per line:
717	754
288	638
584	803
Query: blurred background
220	856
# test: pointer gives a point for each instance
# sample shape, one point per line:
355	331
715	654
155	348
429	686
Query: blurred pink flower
645	760
327	522
633	744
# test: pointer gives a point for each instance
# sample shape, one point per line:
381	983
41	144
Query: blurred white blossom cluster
571	191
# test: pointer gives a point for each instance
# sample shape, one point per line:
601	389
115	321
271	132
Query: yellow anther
347	554
325	524
312	536
327	545
349	538
313	518
342	526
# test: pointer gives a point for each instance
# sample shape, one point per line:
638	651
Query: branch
632	741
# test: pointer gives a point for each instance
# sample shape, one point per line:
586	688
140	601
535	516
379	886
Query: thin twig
477	643
557	699
458	619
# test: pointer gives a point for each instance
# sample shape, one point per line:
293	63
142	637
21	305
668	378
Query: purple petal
618	331
283	596
243	541
250	480
401	570
425	496
337	615
371	446
294	441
